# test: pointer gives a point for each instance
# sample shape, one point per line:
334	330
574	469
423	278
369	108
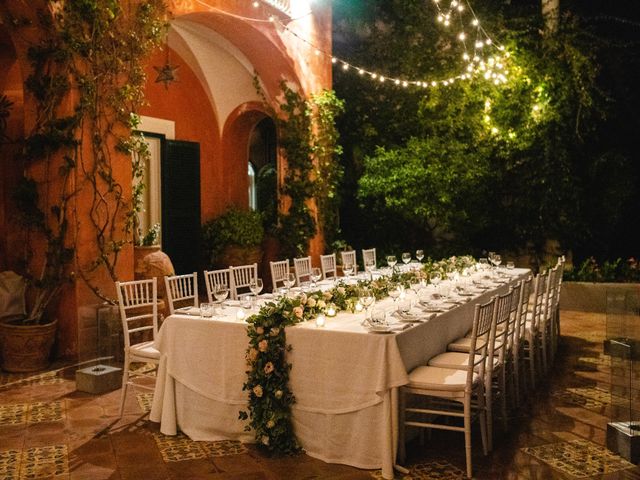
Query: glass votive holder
358	307
511	265
206	310
331	310
320	320
240	315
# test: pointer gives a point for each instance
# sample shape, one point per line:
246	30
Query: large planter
591	297
26	348
234	256
139	254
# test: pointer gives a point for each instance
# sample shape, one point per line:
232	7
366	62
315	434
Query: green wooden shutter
181	204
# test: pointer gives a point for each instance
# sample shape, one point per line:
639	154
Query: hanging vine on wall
92	52
308	138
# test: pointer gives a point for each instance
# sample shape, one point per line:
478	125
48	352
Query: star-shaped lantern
167	74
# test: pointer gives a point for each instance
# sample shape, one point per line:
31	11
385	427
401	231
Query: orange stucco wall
186	103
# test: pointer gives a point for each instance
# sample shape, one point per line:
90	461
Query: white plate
380	329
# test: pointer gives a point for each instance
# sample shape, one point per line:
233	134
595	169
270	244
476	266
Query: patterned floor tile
9	464
223	448
145	400
432	470
579	458
21	379
46	412
178	448
44	462
13	414
598	395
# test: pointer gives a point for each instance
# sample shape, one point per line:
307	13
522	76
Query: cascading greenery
92	52
308	138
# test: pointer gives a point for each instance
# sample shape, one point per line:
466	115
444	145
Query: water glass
406	257
348	269
316	275
420	255
378	317
404	306
206	310
289	281
221	292
391	261
511	265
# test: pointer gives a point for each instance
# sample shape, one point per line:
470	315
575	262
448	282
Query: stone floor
48	429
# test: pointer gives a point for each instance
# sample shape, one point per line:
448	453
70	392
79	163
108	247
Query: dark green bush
610	271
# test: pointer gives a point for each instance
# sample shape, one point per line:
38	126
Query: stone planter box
592	297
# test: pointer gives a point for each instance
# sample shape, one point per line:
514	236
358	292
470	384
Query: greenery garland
270	398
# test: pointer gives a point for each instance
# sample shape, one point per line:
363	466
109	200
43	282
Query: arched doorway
263	186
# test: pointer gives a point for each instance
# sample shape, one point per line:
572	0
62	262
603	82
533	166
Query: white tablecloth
345	380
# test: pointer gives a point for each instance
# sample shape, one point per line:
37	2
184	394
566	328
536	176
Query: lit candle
240	314
358	307
331	311
320	320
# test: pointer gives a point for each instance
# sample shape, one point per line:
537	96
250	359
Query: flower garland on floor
270	398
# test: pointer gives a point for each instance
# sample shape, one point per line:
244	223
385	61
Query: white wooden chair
279	273
369	257
349	258
456	393
328	264
532	341
302	269
519	337
212	278
495	374
182	291
138	306
241	278
547	323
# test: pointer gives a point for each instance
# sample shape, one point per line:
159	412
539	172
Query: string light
474	62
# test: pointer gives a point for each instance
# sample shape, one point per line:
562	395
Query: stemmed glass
395	292
420	255
367	299
435	279
256	286
370	266
315	275
391	261
419	285
289	281
348	270
221	292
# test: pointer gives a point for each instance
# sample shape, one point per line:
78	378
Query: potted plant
147	244
233	238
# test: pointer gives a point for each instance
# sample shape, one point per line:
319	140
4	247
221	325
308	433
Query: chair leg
467	434
503	398
544	354
489	408
125	384
516	376
401	426
532	360
483	422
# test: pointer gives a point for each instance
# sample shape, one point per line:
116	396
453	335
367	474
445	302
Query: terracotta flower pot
139	253
26	348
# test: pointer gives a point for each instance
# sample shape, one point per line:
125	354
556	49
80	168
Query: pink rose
278	394
252	355
311	302
274	332
257	391
265	440
297	311
260	330
268	368
327	295
263	346
271	424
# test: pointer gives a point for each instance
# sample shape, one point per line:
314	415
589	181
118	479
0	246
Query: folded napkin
188	311
414	315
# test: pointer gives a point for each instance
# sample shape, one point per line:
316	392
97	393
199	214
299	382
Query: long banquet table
344	378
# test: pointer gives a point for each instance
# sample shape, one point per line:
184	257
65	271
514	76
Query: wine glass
348	270
394	292
391	261
497	260
435	279
256	286
221	292
315	275
367	299
419	285
420	255
406	257
289	281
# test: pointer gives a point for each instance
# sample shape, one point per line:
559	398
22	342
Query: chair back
537	305
553	293
138	305
500	329
483	317
213	278
349	258
302	269
523	302
241	279
182	290
328	264
513	315
369	257
279	272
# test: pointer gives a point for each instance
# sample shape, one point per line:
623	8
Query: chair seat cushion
463	344
145	349
434	378
455	360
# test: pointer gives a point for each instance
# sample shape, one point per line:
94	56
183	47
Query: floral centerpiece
270	398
